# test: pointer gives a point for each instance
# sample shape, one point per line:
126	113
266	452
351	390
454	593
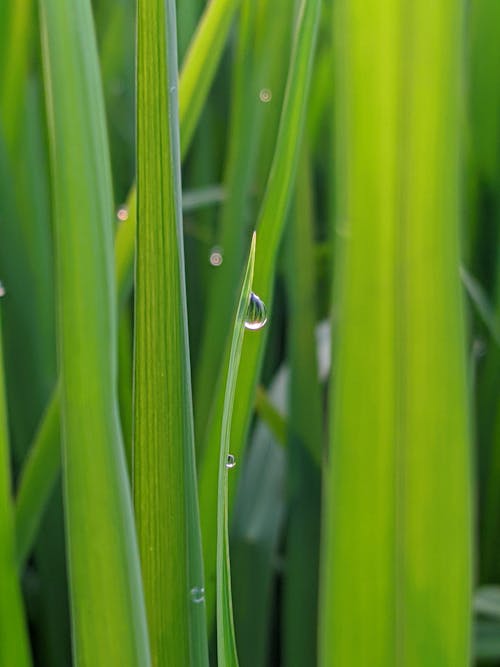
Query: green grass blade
226	643
396	561
201	62
270	229
103	584
305	436
43	463
14	644
125	237
163	441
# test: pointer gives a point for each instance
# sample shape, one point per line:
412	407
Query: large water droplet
256	315
231	461
2	289
197	594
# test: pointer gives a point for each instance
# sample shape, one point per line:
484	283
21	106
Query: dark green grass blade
163	441
104	583
305	436
226	643
14	643
270	228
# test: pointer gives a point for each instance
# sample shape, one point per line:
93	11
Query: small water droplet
256	315
2	289
216	257
231	461
122	213
197	594
265	95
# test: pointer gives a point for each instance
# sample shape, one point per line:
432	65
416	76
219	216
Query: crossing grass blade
165	494
207	33
226	643
14	644
270	228
103	584
396	553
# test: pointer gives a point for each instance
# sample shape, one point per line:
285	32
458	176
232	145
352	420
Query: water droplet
231	461
265	95
122	213
216	257
197	594
256	315
2	289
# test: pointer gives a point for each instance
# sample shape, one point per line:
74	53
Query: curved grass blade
226	643
14	645
270	228
104	583
165	494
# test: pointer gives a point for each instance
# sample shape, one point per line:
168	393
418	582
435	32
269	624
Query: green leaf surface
226	642
165	494
104	573
14	643
396	549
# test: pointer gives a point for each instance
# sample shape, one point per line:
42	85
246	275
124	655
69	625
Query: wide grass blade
163	439
270	229
226	643
103	560
14	644
396	555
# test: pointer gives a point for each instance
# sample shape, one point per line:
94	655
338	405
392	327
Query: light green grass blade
396	562
14	644
270	229
226	643
103	583
163	441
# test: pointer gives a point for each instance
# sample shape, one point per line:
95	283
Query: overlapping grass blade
270	228
396	567
125	237
165	493
103	583
226	643
14	643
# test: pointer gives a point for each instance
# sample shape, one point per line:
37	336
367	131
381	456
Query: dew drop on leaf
197	594
231	461
256	315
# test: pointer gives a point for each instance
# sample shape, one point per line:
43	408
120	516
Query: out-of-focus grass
265	121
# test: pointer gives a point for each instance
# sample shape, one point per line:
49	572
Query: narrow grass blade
163	440
103	584
14	644
305	435
43	462
226	643
396	553
270	229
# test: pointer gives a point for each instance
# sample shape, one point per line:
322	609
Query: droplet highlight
231	461
265	95
216	256
256	315
122	213
197	594
2	289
